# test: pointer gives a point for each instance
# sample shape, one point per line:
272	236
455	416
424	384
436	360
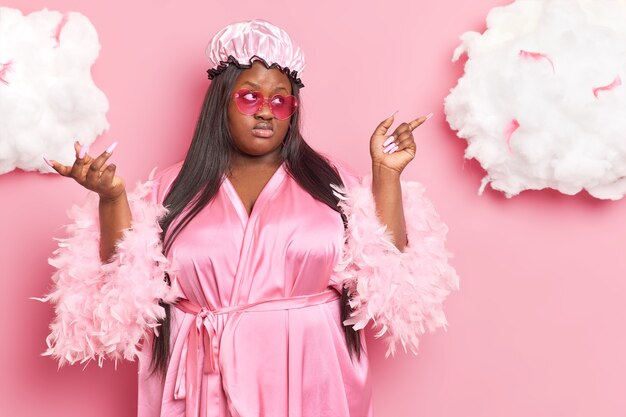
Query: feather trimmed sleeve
103	311
401	293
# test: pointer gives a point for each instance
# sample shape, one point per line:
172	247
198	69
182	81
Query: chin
259	150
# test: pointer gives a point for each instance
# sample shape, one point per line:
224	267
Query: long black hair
200	177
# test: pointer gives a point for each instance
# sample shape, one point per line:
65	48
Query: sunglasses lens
283	106
248	102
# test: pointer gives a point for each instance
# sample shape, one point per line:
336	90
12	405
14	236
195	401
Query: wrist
383	173
112	200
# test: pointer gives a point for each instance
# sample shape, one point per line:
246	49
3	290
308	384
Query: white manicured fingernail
82	153
388	141
429	115
389	147
47	161
111	148
394	113
395	148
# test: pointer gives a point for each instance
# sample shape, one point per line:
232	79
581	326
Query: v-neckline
266	191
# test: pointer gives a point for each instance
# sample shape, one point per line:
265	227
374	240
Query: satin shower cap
243	43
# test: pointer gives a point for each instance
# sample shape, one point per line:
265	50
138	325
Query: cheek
234	121
232	116
281	128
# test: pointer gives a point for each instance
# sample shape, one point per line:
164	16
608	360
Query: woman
264	241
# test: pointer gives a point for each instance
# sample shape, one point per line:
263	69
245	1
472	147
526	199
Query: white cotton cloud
542	103
47	97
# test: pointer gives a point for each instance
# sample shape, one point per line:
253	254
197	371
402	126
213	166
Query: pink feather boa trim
105	310
400	292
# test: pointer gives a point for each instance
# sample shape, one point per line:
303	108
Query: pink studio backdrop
538	326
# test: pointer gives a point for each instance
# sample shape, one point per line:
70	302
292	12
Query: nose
264	112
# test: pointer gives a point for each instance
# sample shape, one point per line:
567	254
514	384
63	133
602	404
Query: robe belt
202	338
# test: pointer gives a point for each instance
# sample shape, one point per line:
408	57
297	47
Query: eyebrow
258	87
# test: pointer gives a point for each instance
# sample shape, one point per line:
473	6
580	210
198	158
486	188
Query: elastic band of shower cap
243	43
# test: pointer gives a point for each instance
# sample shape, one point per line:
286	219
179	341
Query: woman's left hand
396	151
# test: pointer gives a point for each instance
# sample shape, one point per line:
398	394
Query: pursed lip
263	130
264	126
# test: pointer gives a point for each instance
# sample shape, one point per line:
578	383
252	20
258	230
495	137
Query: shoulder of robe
164	179
348	175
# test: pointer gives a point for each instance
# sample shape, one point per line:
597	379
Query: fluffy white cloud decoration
47	97
541	103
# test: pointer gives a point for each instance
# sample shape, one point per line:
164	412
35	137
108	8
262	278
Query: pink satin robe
286	357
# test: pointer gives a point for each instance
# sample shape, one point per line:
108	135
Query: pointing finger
419	121
382	128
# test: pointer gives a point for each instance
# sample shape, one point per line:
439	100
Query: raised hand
93	173
396	151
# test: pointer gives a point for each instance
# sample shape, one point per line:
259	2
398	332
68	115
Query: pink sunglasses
249	102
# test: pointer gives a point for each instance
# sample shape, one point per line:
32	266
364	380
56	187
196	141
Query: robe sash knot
202	340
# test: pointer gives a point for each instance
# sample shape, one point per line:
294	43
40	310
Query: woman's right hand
93	173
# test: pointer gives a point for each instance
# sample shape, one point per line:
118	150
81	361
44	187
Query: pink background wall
538	326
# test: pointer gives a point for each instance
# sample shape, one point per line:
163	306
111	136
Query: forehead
264	79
